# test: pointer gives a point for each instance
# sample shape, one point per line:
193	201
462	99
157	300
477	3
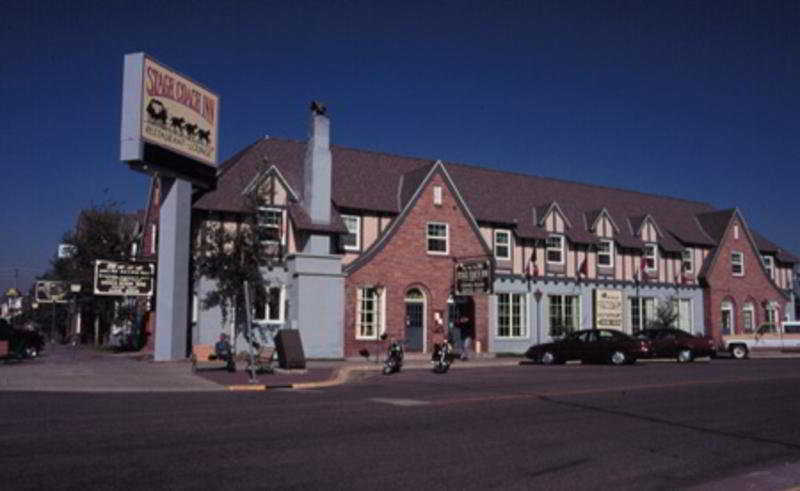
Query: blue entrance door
415	314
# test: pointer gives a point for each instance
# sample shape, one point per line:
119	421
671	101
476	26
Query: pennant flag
533	270
584	268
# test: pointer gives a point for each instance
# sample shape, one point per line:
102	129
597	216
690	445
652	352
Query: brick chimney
317	167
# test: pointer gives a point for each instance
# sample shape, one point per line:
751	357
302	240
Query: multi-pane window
555	249
727	318
512	315
351	241
737	263
683	307
650	257
642	311
605	253
270	222
369	313
502	244
769	265
268	305
688	261
748	318
437	238
564	314
771	317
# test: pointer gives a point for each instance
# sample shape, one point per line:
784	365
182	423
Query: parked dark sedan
22	343
598	345
678	344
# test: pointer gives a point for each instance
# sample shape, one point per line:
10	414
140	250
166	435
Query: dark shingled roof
380	182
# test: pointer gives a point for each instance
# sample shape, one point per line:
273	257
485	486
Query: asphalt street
648	426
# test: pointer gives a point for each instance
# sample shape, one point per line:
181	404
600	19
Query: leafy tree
101	232
230	254
666	315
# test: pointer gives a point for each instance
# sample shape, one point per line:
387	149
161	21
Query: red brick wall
754	286
403	263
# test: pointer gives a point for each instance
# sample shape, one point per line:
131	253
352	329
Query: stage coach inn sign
164	110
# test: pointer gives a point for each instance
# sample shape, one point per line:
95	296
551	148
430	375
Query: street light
538	296
75	289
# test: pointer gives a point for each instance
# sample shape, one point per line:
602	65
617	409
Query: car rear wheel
618	357
685	355
739	351
548	358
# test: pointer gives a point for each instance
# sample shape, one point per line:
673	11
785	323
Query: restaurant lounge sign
164	108
608	309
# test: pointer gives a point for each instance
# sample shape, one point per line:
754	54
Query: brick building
367	243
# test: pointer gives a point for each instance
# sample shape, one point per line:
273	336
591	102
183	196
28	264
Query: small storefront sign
473	277
608	309
123	278
51	291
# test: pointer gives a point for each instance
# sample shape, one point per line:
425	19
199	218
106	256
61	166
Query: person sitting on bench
223	352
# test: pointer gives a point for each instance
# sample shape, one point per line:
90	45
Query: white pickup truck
785	337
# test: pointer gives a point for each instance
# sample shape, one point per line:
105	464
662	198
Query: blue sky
696	100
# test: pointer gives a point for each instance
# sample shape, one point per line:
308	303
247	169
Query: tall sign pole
169	127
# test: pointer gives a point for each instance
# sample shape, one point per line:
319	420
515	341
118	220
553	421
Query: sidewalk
319	374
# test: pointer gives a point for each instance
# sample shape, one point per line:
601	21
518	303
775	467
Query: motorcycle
394	358
442	357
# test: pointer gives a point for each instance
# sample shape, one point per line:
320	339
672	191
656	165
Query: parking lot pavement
63	368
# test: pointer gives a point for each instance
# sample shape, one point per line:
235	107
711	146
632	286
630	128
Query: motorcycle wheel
389	367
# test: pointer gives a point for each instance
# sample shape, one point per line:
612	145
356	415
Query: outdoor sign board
123	278
66	251
608	309
473	277
169	121
51	291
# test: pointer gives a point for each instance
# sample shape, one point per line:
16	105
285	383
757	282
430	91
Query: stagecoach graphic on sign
157	114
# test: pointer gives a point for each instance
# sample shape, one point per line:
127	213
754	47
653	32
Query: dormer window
270	225
688	261
352	240
650	257
502	245
605	253
555	249
769	265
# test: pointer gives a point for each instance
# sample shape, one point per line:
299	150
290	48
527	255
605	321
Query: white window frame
642	304
379	324
737	263
727	306
683	322
769	265
610	254
507	245
750	309
429	237
263	211
548	248
687	258
651	257
515	309
281	307
577	314
357	232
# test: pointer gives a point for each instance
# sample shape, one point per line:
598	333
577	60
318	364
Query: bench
203	356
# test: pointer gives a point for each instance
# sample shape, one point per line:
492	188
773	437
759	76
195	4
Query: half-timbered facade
562	255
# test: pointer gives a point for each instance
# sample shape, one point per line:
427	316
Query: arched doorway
415	319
